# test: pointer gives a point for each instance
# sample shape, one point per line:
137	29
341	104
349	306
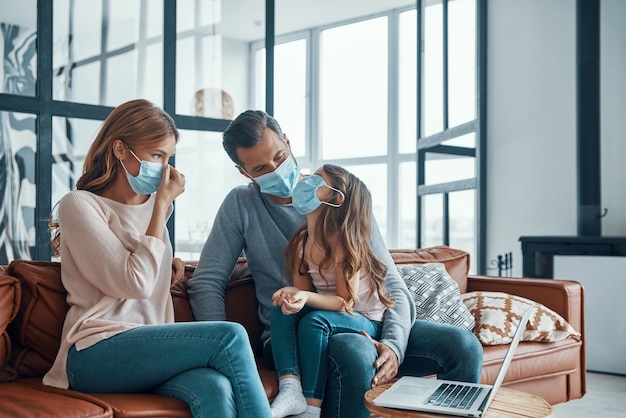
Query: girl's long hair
136	122
349	228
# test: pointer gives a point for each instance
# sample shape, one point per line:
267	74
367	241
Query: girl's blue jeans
208	365
300	343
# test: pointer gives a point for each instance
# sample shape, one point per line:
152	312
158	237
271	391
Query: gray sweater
251	225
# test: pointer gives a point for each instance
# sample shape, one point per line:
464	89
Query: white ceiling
245	19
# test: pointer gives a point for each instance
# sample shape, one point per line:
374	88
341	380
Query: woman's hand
178	270
172	184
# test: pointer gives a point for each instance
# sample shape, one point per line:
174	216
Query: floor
605	398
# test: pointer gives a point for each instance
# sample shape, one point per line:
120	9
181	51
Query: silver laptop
446	396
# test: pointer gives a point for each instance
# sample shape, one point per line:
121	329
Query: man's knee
354	353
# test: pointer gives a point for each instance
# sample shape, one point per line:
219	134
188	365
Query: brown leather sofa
32	309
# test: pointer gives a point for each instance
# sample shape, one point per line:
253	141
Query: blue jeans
311	330
204	364
449	352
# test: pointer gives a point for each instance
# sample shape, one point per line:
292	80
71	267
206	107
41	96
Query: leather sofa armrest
562	296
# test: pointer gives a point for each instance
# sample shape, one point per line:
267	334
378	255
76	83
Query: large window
355	92
92	56
349	85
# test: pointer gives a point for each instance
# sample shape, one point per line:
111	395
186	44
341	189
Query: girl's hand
178	270
290	299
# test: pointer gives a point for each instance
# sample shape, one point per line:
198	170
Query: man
257	221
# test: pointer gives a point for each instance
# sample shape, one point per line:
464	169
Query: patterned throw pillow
436	294
497	315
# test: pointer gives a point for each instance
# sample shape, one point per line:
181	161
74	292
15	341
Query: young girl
119	333
337	286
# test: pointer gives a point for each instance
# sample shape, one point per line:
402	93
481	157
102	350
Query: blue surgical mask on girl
149	177
281	181
305	198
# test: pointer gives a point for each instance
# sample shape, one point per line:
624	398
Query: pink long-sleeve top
116	277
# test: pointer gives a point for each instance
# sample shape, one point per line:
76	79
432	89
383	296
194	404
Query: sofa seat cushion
29	397
532	359
144	405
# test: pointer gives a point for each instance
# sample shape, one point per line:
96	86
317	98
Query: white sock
290	399
310	412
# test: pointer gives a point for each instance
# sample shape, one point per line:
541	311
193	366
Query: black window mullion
445	65
169	81
43	158
446	218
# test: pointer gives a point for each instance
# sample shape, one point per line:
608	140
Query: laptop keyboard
454	396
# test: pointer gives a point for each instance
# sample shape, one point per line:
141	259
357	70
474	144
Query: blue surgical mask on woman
305	198
149	177
281	181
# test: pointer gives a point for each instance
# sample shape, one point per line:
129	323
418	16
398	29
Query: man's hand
386	363
178	270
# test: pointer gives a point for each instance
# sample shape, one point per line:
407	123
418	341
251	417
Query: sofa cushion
9	305
30	398
497	315
436	294
457	262
36	330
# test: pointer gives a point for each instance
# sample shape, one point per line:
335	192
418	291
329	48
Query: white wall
531	121
613	117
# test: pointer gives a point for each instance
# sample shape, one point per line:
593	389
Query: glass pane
466	141
432	102
71	139
125	64
85	27
123	24
18	37
463	223
407	82
461	61
210	176
432	220
212	58
353	90
442	168
121	79
375	177
290	94
18	186
406	205
259	79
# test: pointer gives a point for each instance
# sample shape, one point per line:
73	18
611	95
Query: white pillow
497	315
436	294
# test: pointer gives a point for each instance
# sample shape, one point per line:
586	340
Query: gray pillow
436	295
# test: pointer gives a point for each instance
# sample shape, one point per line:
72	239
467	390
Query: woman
119	334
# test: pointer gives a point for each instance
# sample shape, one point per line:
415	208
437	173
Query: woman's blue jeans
208	365
301	343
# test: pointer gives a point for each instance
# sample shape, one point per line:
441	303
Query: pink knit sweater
117	278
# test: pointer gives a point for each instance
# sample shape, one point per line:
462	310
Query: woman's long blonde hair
349	227
136	122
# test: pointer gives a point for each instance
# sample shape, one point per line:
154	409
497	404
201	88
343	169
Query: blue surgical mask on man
281	181
305	198
149	177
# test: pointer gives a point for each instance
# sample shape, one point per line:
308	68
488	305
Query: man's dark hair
246	131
